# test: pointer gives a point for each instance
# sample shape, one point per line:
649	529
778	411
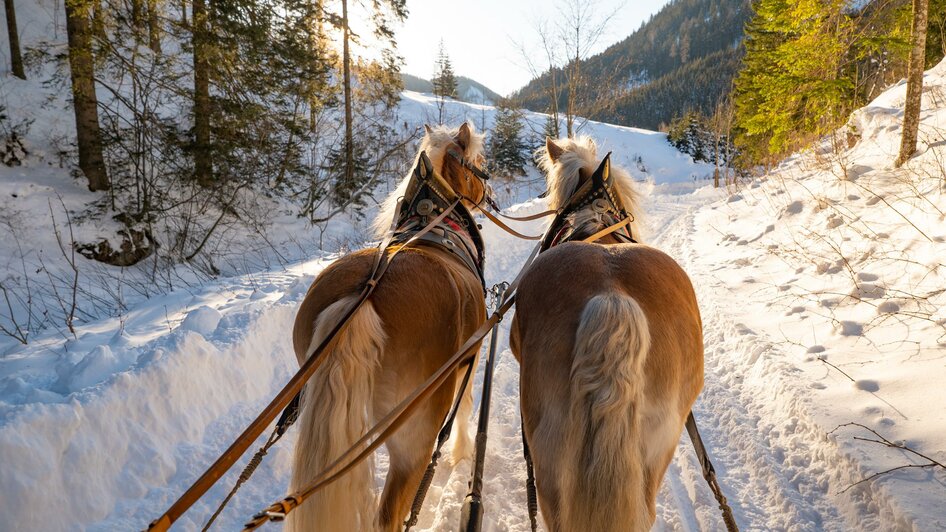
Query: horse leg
409	452
462	439
663	428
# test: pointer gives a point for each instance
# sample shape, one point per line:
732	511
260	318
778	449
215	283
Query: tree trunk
346	60
138	18
573	83
313	25
203	162
85	103
154	26
16	61
911	111
554	99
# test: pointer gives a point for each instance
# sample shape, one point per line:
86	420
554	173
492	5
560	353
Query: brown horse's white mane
435	143
562	177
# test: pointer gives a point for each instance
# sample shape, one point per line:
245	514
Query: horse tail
336	407
602	483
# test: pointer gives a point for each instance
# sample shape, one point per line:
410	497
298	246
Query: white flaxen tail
336	408
603	488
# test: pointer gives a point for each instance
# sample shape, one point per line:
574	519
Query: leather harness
598	193
427	195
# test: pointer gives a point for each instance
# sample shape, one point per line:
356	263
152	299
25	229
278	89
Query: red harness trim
460	230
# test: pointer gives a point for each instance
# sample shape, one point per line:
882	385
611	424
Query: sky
480	36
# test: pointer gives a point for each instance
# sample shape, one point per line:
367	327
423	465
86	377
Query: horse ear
428	129
464	135
555	151
603	173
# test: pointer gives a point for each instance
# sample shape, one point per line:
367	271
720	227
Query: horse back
556	290
426	295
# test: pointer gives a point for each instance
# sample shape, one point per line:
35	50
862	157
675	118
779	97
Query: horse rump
601	442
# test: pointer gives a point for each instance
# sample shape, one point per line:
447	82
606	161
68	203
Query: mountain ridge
685	45
468	90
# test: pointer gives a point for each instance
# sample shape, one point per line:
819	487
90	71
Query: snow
820	287
203	320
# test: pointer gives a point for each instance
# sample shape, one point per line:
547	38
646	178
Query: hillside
684	57
468	90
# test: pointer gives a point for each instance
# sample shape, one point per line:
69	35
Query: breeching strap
289	391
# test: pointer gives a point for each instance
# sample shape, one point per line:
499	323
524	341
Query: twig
70	259
893	445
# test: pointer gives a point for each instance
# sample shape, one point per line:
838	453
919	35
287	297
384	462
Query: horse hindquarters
334	415
602	488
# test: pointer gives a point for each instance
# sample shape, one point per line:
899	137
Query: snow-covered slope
830	273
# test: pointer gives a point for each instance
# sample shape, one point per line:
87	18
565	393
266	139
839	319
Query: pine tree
551	129
16	60
507	149
84	100
201	43
444	81
794	84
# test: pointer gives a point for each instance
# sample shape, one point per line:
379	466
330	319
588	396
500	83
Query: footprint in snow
834	221
869	291
816	349
888	307
850	328
864	276
794	207
742	329
867	385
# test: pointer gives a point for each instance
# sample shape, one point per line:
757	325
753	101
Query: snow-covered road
775	463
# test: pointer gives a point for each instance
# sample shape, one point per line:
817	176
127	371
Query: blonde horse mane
562	177
435	144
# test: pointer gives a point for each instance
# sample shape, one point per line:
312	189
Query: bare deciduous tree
911	110
565	45
581	26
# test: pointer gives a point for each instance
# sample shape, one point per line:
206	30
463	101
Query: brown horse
423	309
609	340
